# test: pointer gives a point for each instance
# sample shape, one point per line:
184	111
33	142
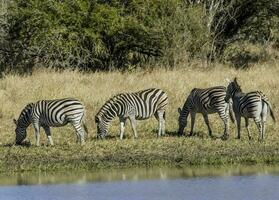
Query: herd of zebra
226	101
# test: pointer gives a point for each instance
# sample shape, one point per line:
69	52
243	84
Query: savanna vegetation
124	34
93	49
95	88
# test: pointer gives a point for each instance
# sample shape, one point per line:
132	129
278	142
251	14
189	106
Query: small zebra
48	113
249	105
205	101
133	106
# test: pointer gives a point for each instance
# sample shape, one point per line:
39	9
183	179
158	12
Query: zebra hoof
225	137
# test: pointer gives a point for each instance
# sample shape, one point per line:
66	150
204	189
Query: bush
120	34
242	55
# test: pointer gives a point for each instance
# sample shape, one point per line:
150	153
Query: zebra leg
264	116
159	115
134	124
258	122
122	127
247	128
79	132
225	118
37	132
205	117
263	129
48	133
163	122
226	129
193	118
238	122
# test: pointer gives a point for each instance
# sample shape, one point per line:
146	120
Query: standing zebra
133	106
205	101
249	105
48	113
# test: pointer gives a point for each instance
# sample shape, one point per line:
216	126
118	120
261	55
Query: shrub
120	34
243	55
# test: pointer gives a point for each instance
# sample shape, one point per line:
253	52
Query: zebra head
20	133
182	121
22	123
102	127
232	88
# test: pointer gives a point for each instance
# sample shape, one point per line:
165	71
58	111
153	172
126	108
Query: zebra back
205	99
59	111
144	103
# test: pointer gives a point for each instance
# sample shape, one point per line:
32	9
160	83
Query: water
138	184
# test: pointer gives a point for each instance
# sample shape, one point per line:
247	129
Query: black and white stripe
205	101
249	105
47	113
133	106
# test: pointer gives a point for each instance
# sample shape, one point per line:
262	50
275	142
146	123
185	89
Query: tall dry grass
94	89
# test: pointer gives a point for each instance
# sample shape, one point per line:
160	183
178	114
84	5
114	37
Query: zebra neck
110	115
23	125
24	121
237	93
185	111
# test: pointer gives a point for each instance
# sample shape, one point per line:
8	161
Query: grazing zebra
205	101
133	106
249	105
48	113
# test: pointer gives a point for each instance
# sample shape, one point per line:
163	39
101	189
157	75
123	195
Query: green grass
95	88
167	151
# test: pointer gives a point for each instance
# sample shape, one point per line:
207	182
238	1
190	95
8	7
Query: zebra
46	113
249	105
133	106
205	101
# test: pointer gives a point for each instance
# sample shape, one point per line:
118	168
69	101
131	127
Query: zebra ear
15	121
235	80
179	110
97	119
228	80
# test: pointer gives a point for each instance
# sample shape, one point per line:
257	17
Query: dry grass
95	88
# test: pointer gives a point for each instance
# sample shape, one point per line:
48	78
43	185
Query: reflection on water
230	183
258	183
134	174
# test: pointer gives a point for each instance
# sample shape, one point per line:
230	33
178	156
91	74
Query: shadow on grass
167	133
107	137
203	135
23	144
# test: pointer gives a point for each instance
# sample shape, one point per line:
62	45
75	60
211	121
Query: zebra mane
193	90
237	86
103	109
24	113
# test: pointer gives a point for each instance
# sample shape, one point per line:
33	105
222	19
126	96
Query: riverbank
168	151
148	151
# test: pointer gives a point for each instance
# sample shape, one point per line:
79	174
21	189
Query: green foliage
242	55
247	34
118	34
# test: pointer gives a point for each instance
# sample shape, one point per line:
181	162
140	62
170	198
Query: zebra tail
85	129
271	112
